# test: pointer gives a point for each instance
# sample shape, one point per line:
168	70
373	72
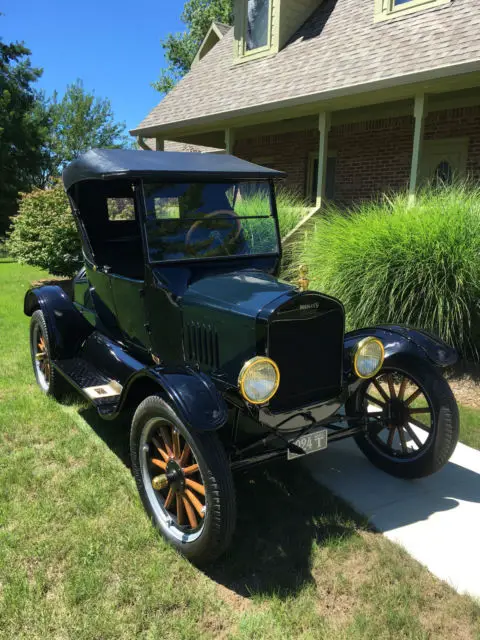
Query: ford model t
178	319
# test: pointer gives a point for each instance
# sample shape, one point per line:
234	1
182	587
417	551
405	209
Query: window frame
276	255
386	9
259	52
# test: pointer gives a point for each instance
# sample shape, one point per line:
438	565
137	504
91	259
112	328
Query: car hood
244	293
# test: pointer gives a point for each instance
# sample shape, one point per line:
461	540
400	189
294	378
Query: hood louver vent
201	344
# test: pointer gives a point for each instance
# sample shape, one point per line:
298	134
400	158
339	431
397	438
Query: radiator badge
309	307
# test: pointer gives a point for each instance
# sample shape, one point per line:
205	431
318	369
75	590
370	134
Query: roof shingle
340	46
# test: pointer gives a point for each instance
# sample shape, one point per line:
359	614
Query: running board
103	392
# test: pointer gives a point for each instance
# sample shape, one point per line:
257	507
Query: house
349	97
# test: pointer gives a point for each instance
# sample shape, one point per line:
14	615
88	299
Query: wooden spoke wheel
40	349
176	476
184	480
411	418
404	414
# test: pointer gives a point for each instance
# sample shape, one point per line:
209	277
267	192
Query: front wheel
184	481
412	418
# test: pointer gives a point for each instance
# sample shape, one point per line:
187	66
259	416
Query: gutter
321	96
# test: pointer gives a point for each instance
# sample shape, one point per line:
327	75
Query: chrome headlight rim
359	347
243	374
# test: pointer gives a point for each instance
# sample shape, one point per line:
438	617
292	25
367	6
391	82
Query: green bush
44	234
390	262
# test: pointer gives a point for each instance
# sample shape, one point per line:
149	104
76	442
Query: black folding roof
105	164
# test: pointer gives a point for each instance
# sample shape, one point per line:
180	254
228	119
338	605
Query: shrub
390	262
44	234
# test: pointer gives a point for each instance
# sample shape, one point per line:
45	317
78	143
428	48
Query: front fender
401	340
192	394
67	327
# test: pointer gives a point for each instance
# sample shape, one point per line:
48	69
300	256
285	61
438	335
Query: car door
129	299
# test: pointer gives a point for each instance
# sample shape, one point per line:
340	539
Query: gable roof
340	49
213	36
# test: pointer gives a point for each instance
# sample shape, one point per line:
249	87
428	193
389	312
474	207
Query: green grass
391	262
470	426
78	558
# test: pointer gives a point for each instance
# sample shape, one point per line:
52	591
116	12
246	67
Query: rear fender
401	340
192	394
67	327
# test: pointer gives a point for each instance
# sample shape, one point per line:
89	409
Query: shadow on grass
282	513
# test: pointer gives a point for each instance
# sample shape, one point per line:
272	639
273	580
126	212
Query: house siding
372	157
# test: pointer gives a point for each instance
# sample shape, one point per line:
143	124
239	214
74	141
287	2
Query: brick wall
372	157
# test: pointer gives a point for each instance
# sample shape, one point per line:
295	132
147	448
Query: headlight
259	380
368	358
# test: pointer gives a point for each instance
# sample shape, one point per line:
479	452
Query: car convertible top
105	164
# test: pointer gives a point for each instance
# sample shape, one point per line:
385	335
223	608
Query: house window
257	24
385	9
312	176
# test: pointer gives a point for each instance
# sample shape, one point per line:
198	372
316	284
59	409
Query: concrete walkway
437	519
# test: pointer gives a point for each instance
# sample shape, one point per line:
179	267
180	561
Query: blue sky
113	46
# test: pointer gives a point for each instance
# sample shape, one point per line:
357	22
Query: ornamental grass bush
391	262
43	234
291	208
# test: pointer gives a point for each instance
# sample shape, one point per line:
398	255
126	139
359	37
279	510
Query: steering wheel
215	235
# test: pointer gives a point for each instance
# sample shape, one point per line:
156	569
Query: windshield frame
142	210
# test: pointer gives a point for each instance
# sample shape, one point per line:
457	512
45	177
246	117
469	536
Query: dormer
213	37
263	27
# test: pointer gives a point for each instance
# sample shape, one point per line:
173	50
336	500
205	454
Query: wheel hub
396	412
175	476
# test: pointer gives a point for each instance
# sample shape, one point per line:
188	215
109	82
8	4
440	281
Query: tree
181	48
23	128
81	121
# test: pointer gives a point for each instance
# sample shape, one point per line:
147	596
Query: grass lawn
80	560
470	426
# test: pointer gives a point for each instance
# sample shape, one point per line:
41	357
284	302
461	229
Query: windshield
203	220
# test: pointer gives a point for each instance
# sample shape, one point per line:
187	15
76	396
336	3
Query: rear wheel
46	376
184	481
418	425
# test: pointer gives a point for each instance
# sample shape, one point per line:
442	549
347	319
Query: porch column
142	144
324	124
229	141
420	112
159	144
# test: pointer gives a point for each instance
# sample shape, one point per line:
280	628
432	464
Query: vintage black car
179	321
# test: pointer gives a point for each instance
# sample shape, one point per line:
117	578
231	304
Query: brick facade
371	157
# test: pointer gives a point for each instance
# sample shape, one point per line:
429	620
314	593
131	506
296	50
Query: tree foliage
78	122
181	48
23	128
44	233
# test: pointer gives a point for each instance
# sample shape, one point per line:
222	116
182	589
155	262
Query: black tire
443	427
200	545
48	379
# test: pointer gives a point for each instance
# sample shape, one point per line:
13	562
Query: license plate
310	443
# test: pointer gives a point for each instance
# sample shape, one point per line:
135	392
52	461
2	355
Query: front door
129	298
444	160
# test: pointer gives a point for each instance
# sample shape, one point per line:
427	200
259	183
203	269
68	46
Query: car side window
120	209
166	208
